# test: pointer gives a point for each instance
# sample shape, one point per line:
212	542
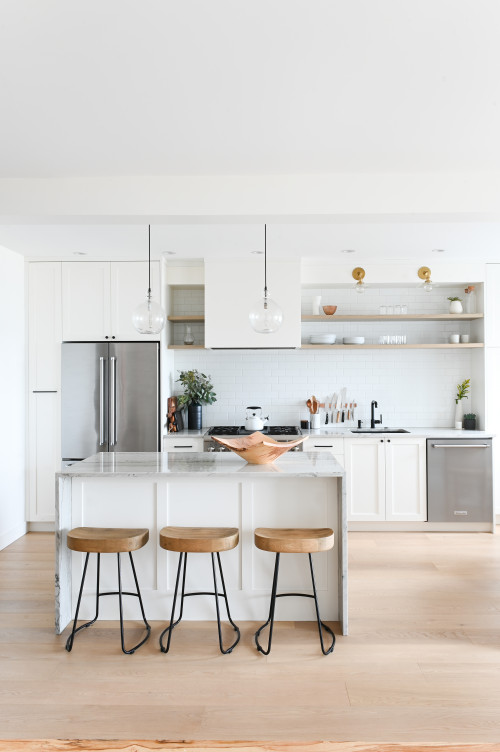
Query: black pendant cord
265	261
149	260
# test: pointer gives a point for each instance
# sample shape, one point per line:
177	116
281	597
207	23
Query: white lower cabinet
386	479
173	444
44	454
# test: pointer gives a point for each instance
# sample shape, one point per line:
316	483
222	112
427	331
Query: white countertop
345	432
132	464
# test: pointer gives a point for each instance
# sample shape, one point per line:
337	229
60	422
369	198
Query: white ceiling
180	87
464	241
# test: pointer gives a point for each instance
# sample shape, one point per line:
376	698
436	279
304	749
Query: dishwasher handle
460	446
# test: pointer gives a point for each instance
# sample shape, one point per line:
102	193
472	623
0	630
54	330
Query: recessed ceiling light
348	250
438	250
257	253
170	253
79	253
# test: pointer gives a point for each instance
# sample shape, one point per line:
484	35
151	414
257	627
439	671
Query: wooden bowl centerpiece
329	310
258	449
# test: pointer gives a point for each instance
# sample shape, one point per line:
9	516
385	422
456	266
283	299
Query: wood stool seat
296	540
107	540
199	539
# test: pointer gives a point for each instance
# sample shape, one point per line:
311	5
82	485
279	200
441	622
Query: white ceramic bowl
354	340
322	339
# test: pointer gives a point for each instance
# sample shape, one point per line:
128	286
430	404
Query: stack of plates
322	339
354	340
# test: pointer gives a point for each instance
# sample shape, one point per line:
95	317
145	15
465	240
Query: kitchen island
202	489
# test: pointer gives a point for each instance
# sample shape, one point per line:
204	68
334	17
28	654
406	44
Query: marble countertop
133	464
343	432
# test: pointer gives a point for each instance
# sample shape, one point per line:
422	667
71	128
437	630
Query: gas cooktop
242	431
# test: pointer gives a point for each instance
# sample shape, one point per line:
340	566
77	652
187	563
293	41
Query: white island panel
153	490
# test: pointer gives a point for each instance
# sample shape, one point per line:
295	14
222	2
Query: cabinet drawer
325	444
183	445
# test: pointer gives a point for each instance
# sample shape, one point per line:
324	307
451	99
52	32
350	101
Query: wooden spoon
309	405
314	404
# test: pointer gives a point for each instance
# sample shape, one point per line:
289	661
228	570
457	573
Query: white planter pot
456	306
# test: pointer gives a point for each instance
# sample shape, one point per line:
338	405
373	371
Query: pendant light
149	317
265	316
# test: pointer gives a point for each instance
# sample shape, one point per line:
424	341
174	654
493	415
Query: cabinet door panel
406	493
233	288
45	325
86	301
365	479
44	455
129	285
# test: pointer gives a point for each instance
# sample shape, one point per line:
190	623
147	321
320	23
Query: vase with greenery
469	422
455	304
461	394
198	391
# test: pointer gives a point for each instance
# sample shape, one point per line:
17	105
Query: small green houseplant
461	394
455	304
470	421
198	391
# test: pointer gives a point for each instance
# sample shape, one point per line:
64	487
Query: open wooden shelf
397	317
432	346
186	319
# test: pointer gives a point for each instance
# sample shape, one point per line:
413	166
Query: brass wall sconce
425	273
359	274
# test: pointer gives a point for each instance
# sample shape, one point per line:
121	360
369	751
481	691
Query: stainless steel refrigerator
110	398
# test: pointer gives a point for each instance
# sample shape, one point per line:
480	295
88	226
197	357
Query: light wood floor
422	662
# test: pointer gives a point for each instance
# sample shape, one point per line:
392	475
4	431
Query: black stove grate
242	431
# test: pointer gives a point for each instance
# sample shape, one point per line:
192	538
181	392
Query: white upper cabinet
44	286
85	301
232	288
492	306
99	299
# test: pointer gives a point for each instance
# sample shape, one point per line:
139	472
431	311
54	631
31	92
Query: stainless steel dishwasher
459	480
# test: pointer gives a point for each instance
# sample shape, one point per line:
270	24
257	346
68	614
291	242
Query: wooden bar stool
210	540
293	541
107	540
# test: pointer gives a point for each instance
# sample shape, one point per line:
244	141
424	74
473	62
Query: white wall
12	397
412	387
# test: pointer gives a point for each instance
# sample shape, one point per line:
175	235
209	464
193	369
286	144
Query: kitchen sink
379	430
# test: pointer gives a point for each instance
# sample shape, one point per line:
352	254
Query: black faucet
373	422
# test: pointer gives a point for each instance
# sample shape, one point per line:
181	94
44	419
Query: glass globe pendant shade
428	285
149	317
266	316
360	287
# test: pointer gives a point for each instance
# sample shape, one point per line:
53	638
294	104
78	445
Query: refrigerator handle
112	403
101	402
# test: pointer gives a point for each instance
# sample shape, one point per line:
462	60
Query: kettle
254	420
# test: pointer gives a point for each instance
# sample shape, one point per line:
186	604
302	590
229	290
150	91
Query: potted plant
469	422
198	391
455	304
462	390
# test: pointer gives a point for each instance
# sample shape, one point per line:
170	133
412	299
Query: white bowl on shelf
322	339
354	340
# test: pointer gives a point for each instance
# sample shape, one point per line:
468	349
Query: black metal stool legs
271	612
172	624
224	595
182	557
138	594
270	620
119	593
71	638
321	624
